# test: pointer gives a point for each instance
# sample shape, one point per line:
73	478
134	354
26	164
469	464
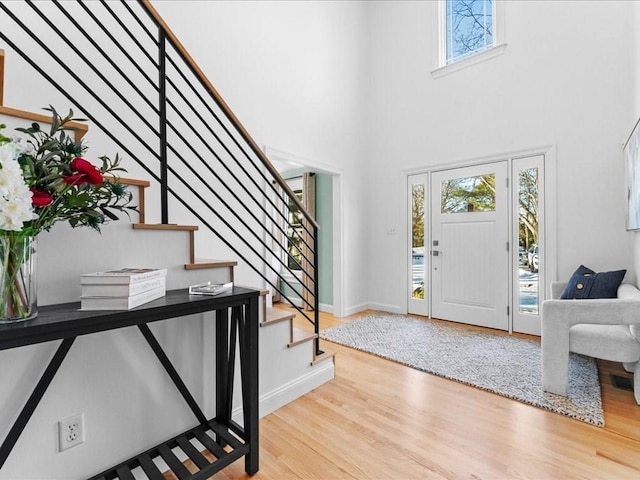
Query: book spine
146	297
124	290
121	303
138	277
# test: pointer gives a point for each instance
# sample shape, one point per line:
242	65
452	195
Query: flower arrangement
44	179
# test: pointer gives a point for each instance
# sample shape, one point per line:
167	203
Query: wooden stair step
80	129
275	315
165	226
298	336
204	263
191	229
134	182
141	185
326	355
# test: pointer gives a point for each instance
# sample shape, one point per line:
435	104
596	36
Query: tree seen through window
469	28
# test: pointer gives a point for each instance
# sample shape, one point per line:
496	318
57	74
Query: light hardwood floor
381	420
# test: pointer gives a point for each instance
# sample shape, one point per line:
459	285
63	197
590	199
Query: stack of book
122	289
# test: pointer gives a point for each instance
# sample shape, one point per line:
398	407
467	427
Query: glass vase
18	282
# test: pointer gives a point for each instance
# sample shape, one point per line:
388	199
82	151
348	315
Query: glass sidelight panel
529	256
417	241
469	194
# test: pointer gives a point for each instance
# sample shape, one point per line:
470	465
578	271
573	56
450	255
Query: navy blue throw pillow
585	283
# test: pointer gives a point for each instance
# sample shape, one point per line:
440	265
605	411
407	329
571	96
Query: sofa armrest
605	311
558	316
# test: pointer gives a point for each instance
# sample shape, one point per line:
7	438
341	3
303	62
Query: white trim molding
271	401
279	156
469	61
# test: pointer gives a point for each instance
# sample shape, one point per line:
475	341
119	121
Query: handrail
225	107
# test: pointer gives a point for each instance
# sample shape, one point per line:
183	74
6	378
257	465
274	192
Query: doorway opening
328	205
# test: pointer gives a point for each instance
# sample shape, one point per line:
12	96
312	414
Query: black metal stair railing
122	68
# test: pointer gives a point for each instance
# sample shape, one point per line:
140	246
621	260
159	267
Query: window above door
470	31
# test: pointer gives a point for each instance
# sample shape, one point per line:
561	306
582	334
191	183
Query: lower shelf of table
216	447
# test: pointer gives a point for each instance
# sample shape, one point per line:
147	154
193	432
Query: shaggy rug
503	364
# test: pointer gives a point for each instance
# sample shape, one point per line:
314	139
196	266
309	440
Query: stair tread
274	315
326	355
164	226
209	263
79	127
129	181
300	335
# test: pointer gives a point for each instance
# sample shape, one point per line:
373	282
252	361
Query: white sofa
602	328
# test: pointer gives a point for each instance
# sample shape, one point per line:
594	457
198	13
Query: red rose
40	199
91	174
74	179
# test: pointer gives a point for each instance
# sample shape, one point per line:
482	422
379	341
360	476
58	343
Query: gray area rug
503	364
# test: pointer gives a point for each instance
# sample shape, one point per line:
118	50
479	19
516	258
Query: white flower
15	197
23	146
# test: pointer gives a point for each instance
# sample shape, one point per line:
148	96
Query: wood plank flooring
381	420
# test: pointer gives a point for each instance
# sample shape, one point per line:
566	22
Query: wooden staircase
269	315
293	337
290	365
297	335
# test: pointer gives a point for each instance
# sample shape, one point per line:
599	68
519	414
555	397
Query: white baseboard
383	307
356	309
271	401
324	307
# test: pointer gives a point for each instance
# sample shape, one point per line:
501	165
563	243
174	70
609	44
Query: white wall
349	84
565	79
293	74
290	72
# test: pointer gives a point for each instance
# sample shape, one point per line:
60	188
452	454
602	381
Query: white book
123	290
121	303
122	276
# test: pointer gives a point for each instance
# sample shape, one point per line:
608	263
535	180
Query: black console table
236	316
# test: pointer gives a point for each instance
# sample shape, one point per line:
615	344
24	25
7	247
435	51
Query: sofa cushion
609	342
585	283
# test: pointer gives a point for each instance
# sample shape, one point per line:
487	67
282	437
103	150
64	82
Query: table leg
222	367
249	367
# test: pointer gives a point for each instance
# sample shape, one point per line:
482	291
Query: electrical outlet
71	432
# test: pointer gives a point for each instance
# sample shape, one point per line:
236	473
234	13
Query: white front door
469	245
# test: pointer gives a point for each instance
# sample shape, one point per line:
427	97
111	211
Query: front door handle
435	253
